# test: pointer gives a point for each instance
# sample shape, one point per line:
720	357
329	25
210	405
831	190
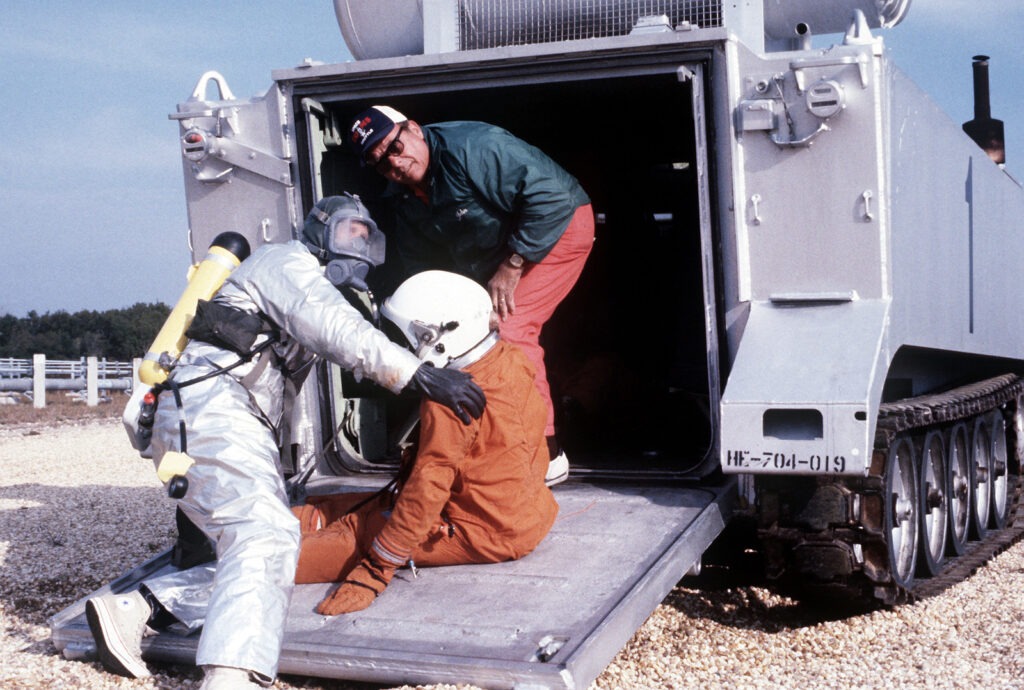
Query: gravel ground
66	491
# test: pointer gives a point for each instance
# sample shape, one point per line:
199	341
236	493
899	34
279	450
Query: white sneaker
118	623
227	678
558	469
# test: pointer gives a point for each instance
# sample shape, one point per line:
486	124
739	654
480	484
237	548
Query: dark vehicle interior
628	351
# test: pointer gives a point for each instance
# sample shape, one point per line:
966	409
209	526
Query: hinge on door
212	142
548	647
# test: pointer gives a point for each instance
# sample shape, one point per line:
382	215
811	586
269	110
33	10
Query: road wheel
981	477
934	503
1000	471
902	508
958	492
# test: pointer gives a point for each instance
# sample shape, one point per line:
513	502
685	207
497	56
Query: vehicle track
832	537
943	409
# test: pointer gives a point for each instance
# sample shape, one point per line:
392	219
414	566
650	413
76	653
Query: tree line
117	334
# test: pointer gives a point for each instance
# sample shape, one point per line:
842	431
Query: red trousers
541	289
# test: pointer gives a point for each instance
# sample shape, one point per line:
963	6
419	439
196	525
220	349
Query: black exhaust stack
985	131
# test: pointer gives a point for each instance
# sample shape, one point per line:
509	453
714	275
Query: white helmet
442	315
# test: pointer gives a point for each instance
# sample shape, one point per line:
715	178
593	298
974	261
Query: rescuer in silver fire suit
230	422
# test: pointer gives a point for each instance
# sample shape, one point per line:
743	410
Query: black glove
450	387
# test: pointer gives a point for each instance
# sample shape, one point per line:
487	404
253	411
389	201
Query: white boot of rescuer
118	623
227	678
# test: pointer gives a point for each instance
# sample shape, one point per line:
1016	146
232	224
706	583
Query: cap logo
361	131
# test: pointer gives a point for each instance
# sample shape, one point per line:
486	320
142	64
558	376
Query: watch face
515	260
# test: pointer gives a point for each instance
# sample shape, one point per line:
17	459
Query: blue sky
92	208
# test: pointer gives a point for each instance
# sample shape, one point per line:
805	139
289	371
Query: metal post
136	363
38	381
92	398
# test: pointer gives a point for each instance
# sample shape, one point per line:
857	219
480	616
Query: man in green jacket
473	199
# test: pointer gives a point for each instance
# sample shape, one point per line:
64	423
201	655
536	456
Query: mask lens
351	233
349	236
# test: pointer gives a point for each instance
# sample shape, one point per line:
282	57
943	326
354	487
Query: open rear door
237	165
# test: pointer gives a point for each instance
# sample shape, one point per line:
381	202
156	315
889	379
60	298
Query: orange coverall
475	494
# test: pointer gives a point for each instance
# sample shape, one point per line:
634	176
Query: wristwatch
515	261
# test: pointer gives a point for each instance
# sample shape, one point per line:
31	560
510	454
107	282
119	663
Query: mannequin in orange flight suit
474	494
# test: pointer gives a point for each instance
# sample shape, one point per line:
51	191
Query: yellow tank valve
227	251
173	464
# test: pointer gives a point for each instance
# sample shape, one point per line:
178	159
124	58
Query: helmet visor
355	236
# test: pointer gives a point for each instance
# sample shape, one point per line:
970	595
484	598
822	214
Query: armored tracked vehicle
798	316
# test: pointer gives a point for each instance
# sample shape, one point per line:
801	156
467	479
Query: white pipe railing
88	375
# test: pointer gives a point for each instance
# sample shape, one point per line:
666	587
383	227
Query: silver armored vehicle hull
798	316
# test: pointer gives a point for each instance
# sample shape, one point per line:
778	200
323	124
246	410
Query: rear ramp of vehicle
553	619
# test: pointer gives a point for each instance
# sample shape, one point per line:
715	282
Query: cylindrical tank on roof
390	28
788	19
381	28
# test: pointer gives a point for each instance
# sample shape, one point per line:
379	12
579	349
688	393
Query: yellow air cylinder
227	251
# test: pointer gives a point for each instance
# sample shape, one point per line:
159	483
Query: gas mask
348	272
340	232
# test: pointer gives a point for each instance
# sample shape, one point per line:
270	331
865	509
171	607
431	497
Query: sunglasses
395	148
